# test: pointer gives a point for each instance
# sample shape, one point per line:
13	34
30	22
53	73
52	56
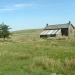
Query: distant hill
28	31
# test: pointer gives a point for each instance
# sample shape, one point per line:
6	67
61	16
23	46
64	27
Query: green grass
26	54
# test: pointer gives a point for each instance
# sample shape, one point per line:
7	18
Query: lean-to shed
58	30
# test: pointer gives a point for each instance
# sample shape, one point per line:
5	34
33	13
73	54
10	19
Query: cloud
7	9
23	5
16	7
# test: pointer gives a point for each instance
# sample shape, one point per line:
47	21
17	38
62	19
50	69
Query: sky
34	14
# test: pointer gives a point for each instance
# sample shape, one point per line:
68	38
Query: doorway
64	31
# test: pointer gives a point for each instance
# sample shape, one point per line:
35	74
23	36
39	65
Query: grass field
26	54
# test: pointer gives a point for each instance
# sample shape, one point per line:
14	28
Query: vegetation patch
27	54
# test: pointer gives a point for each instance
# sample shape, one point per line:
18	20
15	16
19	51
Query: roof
58	26
50	32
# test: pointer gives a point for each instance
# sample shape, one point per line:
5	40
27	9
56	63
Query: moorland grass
26	54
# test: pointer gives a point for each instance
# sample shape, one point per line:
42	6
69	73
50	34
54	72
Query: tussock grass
26	54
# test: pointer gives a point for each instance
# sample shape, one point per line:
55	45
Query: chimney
46	25
69	22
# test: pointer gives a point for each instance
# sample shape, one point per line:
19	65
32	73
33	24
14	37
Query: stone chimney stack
46	25
69	22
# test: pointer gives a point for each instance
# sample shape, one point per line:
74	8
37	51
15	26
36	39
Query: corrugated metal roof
54	32
58	26
50	32
58	31
44	32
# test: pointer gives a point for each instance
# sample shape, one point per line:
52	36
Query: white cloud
23	5
15	7
7	9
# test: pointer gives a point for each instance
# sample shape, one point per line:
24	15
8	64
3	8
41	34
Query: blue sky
30	14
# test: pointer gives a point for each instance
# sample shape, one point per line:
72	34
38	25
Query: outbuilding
58	30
